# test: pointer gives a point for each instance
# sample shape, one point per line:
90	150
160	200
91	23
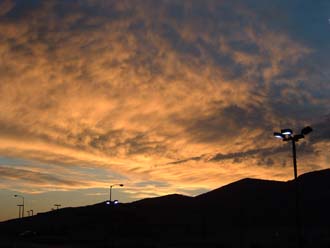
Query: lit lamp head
115	202
287	134
286	131
278	135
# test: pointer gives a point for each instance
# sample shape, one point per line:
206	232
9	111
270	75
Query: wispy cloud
11	174
159	92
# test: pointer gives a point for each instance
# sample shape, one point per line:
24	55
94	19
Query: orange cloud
132	88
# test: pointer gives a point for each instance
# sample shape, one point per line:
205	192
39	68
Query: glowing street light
115	202
287	135
286	131
21	206
278	135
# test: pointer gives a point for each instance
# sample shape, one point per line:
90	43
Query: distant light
278	135
286	131
107	202
115	202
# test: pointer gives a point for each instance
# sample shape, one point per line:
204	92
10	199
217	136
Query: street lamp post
30	212
121	185
19	210
287	135
22	205
57	206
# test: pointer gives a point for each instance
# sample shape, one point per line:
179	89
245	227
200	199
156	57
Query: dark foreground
247	213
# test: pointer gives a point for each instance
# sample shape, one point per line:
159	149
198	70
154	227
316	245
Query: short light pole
30	212
57	206
287	135
19	210
121	185
22	205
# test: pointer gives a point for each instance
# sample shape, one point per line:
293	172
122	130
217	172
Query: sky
166	96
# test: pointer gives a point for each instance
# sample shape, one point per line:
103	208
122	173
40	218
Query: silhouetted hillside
168	201
246	213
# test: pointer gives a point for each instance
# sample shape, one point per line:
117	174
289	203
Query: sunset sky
166	96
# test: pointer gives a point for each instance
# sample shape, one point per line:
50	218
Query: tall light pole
121	185
287	135
22	205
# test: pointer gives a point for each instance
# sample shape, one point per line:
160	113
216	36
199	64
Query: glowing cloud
183	95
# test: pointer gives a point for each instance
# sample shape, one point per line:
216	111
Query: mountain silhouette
246	213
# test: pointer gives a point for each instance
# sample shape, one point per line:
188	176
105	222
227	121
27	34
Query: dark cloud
295	102
152	183
170	34
227	123
197	158
263	156
245	46
132	84
22	9
321	130
36	178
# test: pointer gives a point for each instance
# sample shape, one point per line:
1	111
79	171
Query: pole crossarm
22	205
110	194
